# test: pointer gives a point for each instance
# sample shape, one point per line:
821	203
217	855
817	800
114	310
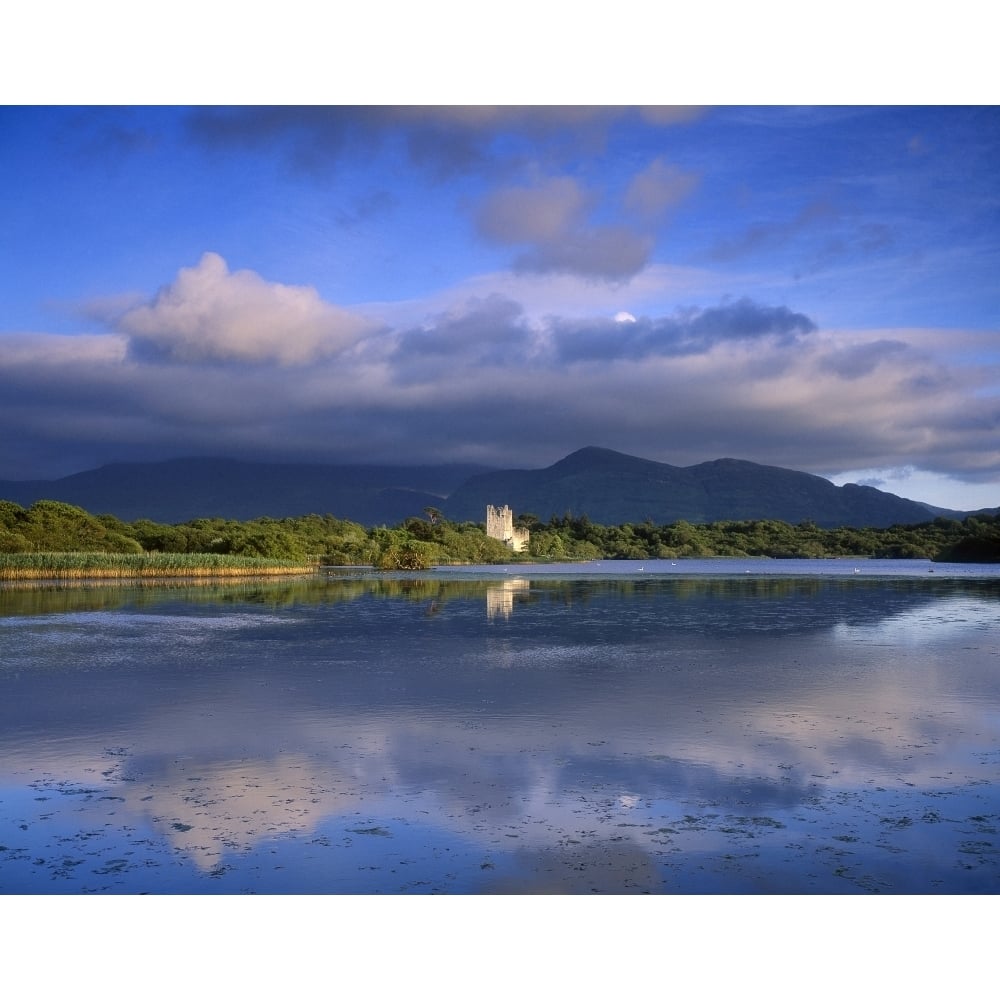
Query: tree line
420	542
974	539
55	526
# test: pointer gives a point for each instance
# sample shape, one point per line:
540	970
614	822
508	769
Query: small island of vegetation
54	540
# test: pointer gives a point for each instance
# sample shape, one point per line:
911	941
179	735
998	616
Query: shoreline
101	566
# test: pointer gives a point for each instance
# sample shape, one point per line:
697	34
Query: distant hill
612	488
608	486
187	488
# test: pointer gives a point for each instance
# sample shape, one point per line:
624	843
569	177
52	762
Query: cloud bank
222	362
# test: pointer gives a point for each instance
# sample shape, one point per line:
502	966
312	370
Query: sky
812	287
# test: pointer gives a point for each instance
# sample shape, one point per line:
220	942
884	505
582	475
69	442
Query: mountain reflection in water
472	733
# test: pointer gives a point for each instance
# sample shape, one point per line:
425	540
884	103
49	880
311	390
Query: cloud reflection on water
614	715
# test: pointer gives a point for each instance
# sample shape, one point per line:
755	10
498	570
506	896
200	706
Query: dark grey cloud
550	221
443	150
486	332
451	392
606	253
496	332
443	140
310	136
691	332
316	139
745	319
659	188
482	324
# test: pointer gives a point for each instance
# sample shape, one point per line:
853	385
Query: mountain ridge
610	487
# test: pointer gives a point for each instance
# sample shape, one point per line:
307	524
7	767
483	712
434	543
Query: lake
720	726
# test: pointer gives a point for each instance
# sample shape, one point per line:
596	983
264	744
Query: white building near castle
500	525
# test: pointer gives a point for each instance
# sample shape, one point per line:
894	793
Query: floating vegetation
123	565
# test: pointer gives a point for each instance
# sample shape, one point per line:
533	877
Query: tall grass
113	565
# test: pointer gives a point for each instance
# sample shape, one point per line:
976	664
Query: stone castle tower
500	525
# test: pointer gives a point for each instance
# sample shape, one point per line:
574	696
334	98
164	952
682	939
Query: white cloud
212	314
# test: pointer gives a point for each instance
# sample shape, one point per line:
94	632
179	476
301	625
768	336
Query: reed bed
121	566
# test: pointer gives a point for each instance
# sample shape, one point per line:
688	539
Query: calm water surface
716	727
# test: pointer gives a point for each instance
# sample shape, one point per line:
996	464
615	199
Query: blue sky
809	287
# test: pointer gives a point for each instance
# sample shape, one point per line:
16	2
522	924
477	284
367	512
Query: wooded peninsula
88	544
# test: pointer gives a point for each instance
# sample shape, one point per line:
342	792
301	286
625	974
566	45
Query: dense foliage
53	526
976	539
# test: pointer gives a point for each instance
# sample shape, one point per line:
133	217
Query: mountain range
608	486
183	489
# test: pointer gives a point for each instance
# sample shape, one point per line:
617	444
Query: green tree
54	526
